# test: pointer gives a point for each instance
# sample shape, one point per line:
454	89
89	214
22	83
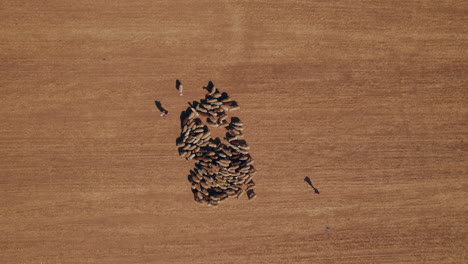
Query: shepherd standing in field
164	112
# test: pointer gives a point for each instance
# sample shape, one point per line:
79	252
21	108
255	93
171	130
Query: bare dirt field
367	98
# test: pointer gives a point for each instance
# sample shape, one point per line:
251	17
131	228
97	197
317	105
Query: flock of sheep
222	170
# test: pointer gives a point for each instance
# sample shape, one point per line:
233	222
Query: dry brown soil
368	98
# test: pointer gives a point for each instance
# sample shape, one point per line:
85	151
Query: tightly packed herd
222	170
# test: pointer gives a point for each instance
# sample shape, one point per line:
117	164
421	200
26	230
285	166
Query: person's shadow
159	106
307	179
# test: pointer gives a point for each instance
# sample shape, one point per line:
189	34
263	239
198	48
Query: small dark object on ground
307	179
